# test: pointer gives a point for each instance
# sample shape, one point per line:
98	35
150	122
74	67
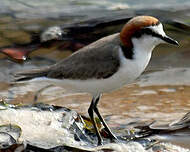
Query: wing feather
98	60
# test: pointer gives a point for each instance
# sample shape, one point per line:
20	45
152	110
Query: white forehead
158	29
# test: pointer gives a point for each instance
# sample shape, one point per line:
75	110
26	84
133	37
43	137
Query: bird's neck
139	49
142	51
145	44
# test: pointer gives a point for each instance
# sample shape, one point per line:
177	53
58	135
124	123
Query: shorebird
106	64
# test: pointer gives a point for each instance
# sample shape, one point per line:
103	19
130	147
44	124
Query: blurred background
39	33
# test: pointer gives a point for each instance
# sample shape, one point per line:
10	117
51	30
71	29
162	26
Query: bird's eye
145	31
141	32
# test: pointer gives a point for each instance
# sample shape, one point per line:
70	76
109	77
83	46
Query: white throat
142	51
144	45
142	54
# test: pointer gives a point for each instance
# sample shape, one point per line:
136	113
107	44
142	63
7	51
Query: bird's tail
30	74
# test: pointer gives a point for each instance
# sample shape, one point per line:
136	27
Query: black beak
169	40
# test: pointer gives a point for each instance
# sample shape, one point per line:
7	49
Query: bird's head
145	32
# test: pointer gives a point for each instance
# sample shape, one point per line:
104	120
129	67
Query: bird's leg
91	114
112	136
36	96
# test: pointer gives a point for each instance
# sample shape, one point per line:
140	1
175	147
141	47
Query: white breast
130	69
127	73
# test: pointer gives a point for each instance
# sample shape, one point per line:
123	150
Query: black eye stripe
146	31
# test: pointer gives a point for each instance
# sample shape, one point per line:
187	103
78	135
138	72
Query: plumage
135	25
97	60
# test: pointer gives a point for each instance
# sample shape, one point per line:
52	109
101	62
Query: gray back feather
97	60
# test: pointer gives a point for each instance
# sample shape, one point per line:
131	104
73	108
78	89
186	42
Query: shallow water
161	93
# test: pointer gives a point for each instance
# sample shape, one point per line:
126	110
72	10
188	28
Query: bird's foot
114	139
100	142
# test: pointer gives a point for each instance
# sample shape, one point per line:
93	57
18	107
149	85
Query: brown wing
95	61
